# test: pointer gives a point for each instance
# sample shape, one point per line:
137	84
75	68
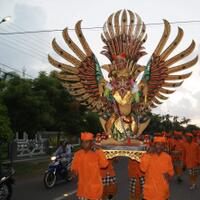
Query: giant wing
83	76
162	76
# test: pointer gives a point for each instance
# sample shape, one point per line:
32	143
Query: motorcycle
6	182
57	171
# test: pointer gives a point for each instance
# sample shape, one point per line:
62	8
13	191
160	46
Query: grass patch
30	169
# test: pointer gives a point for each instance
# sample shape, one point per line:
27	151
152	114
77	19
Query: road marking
64	196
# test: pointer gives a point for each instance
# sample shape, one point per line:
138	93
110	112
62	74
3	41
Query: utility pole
24	72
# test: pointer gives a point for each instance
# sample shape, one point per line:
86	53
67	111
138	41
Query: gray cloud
29	51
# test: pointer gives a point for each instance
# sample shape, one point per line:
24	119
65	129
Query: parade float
124	101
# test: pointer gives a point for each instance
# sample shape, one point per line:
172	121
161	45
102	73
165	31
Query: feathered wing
83	77
122	36
162	80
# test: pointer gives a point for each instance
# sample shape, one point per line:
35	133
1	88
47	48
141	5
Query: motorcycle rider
61	148
68	149
61	152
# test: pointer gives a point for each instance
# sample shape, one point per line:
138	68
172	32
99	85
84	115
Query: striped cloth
132	184
109	180
194	171
83	198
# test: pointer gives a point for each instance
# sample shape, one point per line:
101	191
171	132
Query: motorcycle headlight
53	158
3	178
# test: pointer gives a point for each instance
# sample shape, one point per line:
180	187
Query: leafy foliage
43	104
5	130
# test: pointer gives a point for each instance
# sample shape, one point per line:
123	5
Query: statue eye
118	83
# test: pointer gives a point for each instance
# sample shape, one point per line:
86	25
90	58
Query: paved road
34	189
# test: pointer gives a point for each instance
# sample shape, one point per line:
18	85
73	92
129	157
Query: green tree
5	130
92	123
21	103
155	124
191	127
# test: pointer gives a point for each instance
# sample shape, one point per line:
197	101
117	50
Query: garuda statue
124	101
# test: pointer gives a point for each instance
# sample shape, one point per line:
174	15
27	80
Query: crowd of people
167	154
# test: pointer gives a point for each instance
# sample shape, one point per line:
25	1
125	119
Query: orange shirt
87	166
134	169
170	144
199	155
191	154
178	153
194	139
154	166
109	170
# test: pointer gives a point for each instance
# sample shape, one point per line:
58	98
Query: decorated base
133	152
113	142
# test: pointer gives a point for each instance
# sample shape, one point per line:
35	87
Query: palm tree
185	121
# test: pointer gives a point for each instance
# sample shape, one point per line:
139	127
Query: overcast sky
29	52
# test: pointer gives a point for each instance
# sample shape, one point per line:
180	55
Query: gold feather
68	77
106	34
178	77
72	45
173	45
110	26
168	84
160	96
82	39
153	105
131	25
155	100
181	55
64	54
116	22
83	97
166	91
124	22
62	66
77	92
163	39
183	66
138	25
90	100
143	29
73	85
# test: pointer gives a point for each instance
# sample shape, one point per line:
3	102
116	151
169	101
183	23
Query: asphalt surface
33	188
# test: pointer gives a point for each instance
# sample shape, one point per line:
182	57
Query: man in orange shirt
178	155
109	181
191	159
169	142
136	179
86	165
198	142
158	168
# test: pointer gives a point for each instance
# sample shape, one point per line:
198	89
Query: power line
90	28
34	38
16	27
16	70
25	42
25	47
22	50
